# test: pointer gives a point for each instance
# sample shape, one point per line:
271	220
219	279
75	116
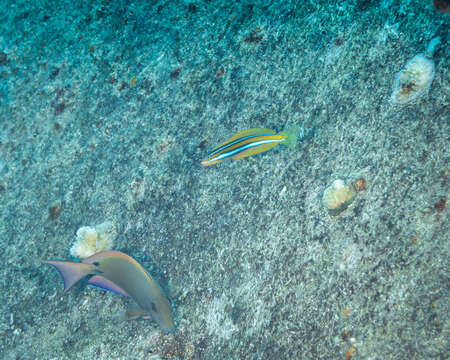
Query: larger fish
117	272
250	142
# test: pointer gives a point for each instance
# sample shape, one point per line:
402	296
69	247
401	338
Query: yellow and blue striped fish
250	142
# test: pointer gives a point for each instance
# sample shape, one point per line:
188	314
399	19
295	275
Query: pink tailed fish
117	272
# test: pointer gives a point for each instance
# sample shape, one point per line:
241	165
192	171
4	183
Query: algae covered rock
338	196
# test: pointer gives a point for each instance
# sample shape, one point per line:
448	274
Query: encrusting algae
338	196
416	77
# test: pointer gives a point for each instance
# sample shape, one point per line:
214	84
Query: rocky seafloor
107	109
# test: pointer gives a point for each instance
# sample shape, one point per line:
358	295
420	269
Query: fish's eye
96	263
154	307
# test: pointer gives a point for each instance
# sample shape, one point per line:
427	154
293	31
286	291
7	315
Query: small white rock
338	196
91	240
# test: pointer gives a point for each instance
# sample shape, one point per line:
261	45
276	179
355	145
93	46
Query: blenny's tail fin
71	272
295	133
292	134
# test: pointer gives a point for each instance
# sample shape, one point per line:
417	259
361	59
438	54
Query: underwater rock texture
108	107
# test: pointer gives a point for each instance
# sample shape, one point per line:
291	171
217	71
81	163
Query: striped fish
250	142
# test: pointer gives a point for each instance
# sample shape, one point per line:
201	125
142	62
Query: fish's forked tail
71	272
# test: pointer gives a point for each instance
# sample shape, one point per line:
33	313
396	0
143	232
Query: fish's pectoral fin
135	312
102	283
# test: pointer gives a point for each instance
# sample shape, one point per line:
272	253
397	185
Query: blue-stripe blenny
250	142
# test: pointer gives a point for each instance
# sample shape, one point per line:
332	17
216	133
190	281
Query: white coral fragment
93	239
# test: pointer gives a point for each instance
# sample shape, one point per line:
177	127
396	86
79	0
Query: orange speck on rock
350	353
346	334
220	73
174	74
442	6
440	204
346	312
55	210
444	175
133	81
360	184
